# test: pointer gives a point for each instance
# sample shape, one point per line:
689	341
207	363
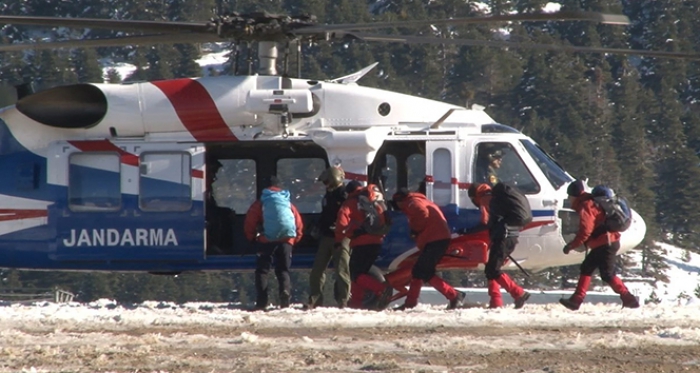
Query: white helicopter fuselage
145	138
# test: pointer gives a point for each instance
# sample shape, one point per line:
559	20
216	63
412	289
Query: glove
567	249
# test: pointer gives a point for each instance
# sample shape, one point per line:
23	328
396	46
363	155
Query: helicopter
157	176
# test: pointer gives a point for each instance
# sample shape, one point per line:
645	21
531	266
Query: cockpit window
499	162
551	169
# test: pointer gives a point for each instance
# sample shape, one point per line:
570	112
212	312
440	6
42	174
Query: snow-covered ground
164	331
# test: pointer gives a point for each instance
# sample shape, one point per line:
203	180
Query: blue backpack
278	218
618	215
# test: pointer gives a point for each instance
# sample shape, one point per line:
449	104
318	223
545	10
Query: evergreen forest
631	122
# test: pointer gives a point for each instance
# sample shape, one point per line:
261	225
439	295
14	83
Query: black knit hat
352	186
471	192
576	188
400	195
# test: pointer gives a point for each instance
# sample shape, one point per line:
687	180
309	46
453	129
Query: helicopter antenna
299	58
236	55
249	58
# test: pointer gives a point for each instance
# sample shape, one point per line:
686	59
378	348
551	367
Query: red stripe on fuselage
9	214
126	157
196	109
354	176
106	146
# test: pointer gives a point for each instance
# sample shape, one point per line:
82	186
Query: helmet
495	155
332	176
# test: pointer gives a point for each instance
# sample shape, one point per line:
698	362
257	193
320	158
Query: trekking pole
519	267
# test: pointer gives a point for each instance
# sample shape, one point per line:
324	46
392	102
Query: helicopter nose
634	235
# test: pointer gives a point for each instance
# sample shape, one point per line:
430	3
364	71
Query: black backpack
373	206
508	203
618	216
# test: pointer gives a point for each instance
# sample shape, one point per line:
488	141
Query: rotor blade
113	42
613	19
505	44
111	24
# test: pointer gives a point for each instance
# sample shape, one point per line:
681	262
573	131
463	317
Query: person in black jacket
333	178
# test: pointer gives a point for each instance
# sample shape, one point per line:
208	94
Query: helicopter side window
550	168
234	184
499	162
165	183
298	175
442	177
94	182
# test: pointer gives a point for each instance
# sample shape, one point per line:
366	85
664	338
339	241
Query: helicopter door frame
151	211
442	184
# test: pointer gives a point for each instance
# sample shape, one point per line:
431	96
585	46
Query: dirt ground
405	349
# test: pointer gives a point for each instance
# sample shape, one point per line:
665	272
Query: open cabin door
235	179
127	201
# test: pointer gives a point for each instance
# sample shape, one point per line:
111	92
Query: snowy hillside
684	278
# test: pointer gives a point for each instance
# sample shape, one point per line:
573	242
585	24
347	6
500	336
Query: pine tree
87	67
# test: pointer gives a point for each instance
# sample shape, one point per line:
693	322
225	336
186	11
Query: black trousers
501	247
281	252
603	259
428	259
362	258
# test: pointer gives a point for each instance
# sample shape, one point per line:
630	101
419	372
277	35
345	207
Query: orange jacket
425	219
591	216
254	219
349	220
483	199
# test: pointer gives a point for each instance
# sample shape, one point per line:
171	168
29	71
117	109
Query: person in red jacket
480	195
268	248
603	244
365	249
499	249
429	229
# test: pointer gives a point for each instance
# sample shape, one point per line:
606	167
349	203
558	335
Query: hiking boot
630	301
568	303
520	302
284	299
457	302
384	299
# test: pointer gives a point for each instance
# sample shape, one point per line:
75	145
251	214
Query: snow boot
510	286
384	298
413	293
284	299
628	299
495	294
520	301
574	302
568	303
443	287
457	301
